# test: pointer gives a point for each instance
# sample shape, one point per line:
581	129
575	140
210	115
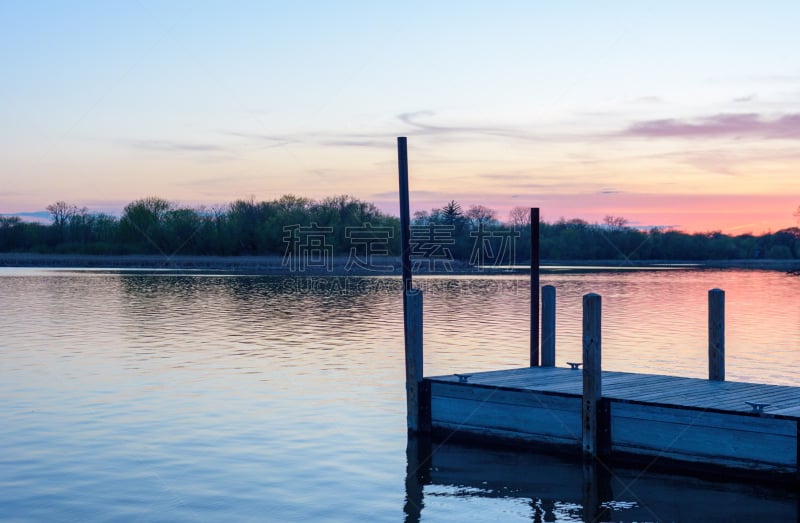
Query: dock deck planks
645	388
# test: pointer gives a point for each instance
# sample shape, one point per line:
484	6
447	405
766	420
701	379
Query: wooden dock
602	414
683	419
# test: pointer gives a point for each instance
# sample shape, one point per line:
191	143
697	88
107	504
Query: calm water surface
200	397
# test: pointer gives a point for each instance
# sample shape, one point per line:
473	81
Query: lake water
153	396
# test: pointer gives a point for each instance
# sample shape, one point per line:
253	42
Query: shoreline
343	266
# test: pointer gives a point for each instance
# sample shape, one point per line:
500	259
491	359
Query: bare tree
480	214
615	223
62	213
796	214
519	217
69	221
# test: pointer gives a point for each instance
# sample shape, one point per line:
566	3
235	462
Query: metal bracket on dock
574	365
757	407
462	378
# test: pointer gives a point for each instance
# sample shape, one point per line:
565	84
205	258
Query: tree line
157	226
247	227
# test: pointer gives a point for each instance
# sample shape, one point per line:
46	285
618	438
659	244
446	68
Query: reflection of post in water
543	510
418	474
596	491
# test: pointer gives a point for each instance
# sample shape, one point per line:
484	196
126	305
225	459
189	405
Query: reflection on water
195	397
536	487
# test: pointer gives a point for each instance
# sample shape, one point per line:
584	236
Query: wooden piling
548	326
592	374
418	408
535	259
413	330
716	335
405	212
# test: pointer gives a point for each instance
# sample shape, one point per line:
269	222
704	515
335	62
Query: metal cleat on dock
757	407
462	378
574	365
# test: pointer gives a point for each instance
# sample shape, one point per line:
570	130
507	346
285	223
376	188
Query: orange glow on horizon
730	214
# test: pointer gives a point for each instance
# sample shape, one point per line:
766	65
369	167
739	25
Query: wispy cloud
786	78
729	160
212	181
268	140
419	121
529	181
501	177
720	126
385	143
649	100
202	152
416	123
167	145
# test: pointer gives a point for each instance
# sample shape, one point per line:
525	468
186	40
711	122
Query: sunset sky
682	114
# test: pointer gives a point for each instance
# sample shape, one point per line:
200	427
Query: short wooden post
548	326
592	374
413	331
716	335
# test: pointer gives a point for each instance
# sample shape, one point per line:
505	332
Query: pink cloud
720	126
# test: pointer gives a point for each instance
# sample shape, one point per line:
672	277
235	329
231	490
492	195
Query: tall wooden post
716	335
548	326
592	375
417	395
405	212
534	287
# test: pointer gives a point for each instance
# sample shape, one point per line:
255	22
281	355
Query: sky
678	114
